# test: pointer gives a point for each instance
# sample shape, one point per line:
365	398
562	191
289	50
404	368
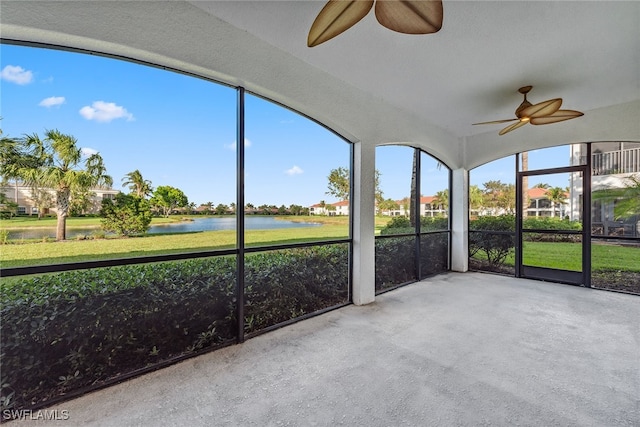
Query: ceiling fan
542	113
403	16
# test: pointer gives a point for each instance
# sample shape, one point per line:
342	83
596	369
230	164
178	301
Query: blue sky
180	131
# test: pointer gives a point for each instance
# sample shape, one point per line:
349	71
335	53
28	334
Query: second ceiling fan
542	113
403	16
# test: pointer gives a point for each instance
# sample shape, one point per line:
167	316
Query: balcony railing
615	162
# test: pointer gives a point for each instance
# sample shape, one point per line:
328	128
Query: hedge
75	330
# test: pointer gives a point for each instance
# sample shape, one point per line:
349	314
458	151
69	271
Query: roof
539	193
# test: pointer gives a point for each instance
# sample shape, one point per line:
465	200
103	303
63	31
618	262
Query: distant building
612	163
541	205
21	194
427	208
330	209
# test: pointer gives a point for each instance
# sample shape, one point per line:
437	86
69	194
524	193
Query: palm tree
557	196
414	188
542	185
441	199
137	184
61	168
626	199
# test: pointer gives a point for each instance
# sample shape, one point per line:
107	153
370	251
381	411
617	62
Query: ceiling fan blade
495	122
512	127
541	109
558	116
336	17
410	16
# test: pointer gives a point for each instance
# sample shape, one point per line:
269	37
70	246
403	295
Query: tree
7	207
167	198
388	205
137	184
441	199
221	209
339	184
297	209
80	201
127	214
557	196
42	198
626	199
499	196
13	158
475	198
57	162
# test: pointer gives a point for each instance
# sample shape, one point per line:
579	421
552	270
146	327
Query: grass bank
18	255
568	256
72	222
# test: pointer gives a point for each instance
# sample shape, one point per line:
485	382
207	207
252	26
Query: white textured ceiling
585	52
374	85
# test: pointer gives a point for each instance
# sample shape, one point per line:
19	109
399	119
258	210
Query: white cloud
16	74
105	112
87	152
232	146
52	101
295	170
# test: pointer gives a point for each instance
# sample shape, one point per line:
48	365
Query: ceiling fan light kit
403	16
542	113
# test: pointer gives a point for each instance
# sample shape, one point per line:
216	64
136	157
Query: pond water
198	224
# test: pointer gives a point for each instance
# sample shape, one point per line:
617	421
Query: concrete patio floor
454	350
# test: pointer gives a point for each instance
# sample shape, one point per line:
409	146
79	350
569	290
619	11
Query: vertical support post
519	213
586	220
240	216
363	219
416	209
460	220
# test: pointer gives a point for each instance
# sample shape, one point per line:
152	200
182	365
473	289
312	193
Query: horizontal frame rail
54	268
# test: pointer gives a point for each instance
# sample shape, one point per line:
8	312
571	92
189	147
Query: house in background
428	208
541	205
22	195
330	209
613	163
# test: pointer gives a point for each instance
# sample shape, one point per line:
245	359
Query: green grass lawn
568	256
39	253
554	255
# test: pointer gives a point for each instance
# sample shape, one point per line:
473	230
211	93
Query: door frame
581	278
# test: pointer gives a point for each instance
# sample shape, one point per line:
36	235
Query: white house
22	195
330	209
612	164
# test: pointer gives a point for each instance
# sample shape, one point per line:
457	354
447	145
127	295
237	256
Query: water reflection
198	224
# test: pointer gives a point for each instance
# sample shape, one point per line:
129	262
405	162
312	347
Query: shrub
4	237
398	225
402	225
395	261
551	223
73	330
494	236
127	214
